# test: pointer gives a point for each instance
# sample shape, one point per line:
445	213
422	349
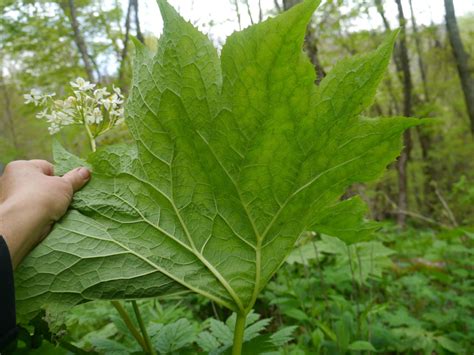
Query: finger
77	177
45	166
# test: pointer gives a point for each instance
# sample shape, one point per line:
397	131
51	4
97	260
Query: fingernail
84	172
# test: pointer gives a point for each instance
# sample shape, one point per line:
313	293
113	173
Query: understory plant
409	294
234	156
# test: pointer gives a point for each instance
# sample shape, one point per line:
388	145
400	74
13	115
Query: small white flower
42	114
119	121
117	91
34	97
89	118
117	113
100	93
90	100
115	99
64	119
28	98
78	95
70	112
49	96
59	104
52	117
94	117
107	103
97	113
82	84
53	129
70	101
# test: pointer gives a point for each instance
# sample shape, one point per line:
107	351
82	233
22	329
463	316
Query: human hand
31	200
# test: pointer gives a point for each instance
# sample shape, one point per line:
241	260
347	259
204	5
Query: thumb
77	177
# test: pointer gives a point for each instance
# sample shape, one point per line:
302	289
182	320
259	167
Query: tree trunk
288	4
9	115
137	22
237	12
421	64
395	54
108	28
462	60
81	44
311	44
402	163
424	138
249	12
260	12
277	5
379	6
123	56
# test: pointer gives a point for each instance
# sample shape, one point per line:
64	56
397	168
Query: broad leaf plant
235	154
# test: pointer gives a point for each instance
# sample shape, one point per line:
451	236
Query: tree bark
288	4
137	22
277	5
249	12
424	138
462	60
123	56
311	44
421	64
8	114
79	40
237	12
395	54
380	10
402	163
108	29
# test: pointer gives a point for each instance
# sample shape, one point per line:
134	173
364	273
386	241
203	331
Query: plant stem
355	288
143	328
128	322
239	333
91	137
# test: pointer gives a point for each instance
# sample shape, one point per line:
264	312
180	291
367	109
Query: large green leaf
234	158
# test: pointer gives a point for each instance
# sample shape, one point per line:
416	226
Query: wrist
15	227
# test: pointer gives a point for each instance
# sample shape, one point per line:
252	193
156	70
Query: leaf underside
234	157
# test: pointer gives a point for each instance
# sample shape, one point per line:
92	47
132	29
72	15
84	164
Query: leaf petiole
148	343
239	333
128	322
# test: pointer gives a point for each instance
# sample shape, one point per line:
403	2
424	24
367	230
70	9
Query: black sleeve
8	329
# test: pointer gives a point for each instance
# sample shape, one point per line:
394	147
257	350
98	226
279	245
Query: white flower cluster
98	110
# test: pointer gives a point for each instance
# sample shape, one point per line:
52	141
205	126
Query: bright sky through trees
221	14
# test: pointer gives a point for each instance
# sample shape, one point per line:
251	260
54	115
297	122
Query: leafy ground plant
234	156
414	297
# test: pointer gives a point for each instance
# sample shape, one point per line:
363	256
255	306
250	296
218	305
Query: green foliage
234	158
172	337
419	302
407	292
219	336
96	328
